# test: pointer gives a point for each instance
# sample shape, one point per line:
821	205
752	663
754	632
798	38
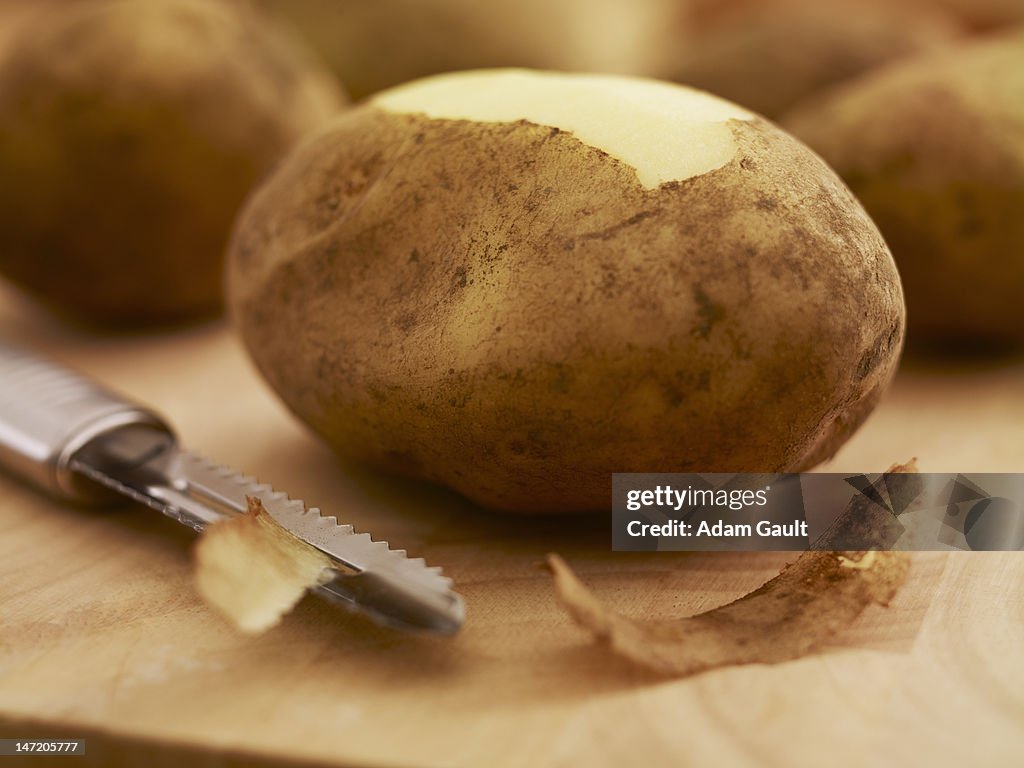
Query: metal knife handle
48	414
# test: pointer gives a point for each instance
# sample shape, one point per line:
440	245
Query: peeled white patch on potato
665	132
252	571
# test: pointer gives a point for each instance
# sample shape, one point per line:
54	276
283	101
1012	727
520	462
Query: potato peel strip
252	571
808	602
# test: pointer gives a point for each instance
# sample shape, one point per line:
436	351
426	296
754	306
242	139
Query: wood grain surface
103	636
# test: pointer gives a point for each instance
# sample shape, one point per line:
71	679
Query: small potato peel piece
252	571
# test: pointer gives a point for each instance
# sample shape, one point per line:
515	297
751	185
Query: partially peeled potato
516	283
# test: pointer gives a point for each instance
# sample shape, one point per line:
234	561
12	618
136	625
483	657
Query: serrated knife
79	441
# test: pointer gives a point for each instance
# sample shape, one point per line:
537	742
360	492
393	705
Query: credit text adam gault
764	528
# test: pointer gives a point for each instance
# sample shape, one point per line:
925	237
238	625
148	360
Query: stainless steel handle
48	414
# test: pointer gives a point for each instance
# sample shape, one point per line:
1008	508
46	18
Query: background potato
130	133
375	44
934	148
769	54
516	284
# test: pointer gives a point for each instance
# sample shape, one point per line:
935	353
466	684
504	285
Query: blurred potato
375	44
769	54
130	134
934	149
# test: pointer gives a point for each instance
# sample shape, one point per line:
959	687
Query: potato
769	54
517	283
379	44
130	133
934	148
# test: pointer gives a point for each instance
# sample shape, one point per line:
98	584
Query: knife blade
76	439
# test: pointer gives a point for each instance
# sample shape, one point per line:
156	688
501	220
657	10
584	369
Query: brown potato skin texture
130	134
934	149
504	310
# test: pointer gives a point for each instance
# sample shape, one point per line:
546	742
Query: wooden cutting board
103	637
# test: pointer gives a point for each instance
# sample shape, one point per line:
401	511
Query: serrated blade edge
389	570
366	575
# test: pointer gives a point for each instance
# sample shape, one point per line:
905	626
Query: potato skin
934	149
130	134
504	310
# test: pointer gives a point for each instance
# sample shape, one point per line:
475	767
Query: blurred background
131	131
